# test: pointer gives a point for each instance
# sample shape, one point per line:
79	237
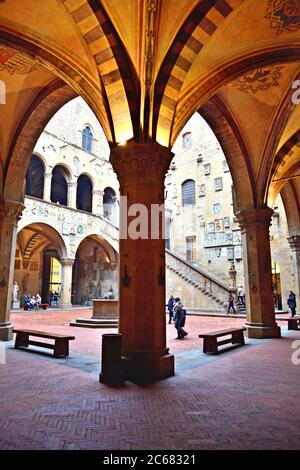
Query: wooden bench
60	346
43	306
211	343
293	322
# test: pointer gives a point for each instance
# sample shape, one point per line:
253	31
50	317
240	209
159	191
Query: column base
146	367
6	332
66	306
262	330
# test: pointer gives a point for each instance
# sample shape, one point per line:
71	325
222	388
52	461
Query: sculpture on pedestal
15	291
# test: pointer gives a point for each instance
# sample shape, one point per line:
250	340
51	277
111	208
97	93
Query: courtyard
49	403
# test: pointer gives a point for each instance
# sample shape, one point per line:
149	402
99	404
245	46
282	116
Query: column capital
144	162
253	218
11	210
67	262
98	192
294	242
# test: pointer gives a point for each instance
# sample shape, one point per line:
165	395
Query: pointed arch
64	68
221	121
193	35
291	204
206	87
48	101
284	153
117	73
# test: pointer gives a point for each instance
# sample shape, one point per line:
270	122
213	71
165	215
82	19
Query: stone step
94	323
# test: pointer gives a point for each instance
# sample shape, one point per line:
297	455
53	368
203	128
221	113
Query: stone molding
141	162
67	262
12	211
294	242
255	218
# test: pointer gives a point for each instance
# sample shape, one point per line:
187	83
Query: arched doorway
110	205
51	276
35	178
94	271
59	185
37	265
84	194
87	139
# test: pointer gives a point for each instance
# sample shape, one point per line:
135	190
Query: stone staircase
197	288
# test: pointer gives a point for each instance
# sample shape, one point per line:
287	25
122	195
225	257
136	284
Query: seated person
32	302
38	300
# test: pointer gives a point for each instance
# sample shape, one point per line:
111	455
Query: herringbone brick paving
241	400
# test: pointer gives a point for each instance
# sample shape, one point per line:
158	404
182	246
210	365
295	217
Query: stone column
72	194
10	213
47	186
294	242
260	307
66	282
97	202
141	170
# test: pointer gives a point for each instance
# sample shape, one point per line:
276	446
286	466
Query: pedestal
15	304
105	309
6	331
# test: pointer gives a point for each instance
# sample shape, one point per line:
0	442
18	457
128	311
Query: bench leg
61	347
292	324
22	339
210	345
238	337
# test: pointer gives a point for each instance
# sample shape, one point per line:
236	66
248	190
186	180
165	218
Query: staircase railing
215	290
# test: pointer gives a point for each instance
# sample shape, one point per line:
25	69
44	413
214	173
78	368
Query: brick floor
243	399
58	322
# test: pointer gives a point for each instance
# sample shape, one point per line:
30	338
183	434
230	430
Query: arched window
188	192
84	196
187	140
109	204
87	139
59	186
35	178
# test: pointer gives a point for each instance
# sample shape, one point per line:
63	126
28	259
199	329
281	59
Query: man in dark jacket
170	308
291	301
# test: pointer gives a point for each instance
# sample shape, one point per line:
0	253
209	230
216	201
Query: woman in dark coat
170	307
291	301
178	315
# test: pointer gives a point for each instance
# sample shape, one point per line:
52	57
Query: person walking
183	322
291	301
230	303
178	315
240	295
170	308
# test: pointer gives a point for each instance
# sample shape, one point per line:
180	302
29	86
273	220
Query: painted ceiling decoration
284	15
258	80
13	61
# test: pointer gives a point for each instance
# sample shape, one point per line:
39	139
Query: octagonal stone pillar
72	194
66	282
294	242
98	202
255	224
10	213
141	170
47	186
